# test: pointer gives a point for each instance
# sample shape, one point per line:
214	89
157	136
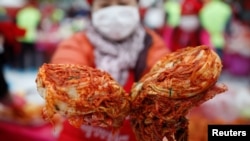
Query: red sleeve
74	50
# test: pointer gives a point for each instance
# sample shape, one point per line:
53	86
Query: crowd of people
180	23
31	36
222	25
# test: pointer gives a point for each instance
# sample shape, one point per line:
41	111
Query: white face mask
116	22
189	23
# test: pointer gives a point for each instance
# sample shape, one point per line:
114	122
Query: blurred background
29	37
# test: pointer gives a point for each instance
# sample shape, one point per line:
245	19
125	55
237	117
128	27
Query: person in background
9	33
28	18
117	43
188	31
236	54
155	19
215	16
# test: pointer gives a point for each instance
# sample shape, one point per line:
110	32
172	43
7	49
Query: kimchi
176	83
83	95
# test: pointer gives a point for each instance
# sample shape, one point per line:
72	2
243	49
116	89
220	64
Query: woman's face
99	4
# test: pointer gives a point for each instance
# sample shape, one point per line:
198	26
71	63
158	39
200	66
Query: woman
188	32
117	43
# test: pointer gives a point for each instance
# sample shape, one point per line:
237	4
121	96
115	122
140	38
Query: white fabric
117	58
116	22
12	3
239	41
146	3
155	18
189	23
